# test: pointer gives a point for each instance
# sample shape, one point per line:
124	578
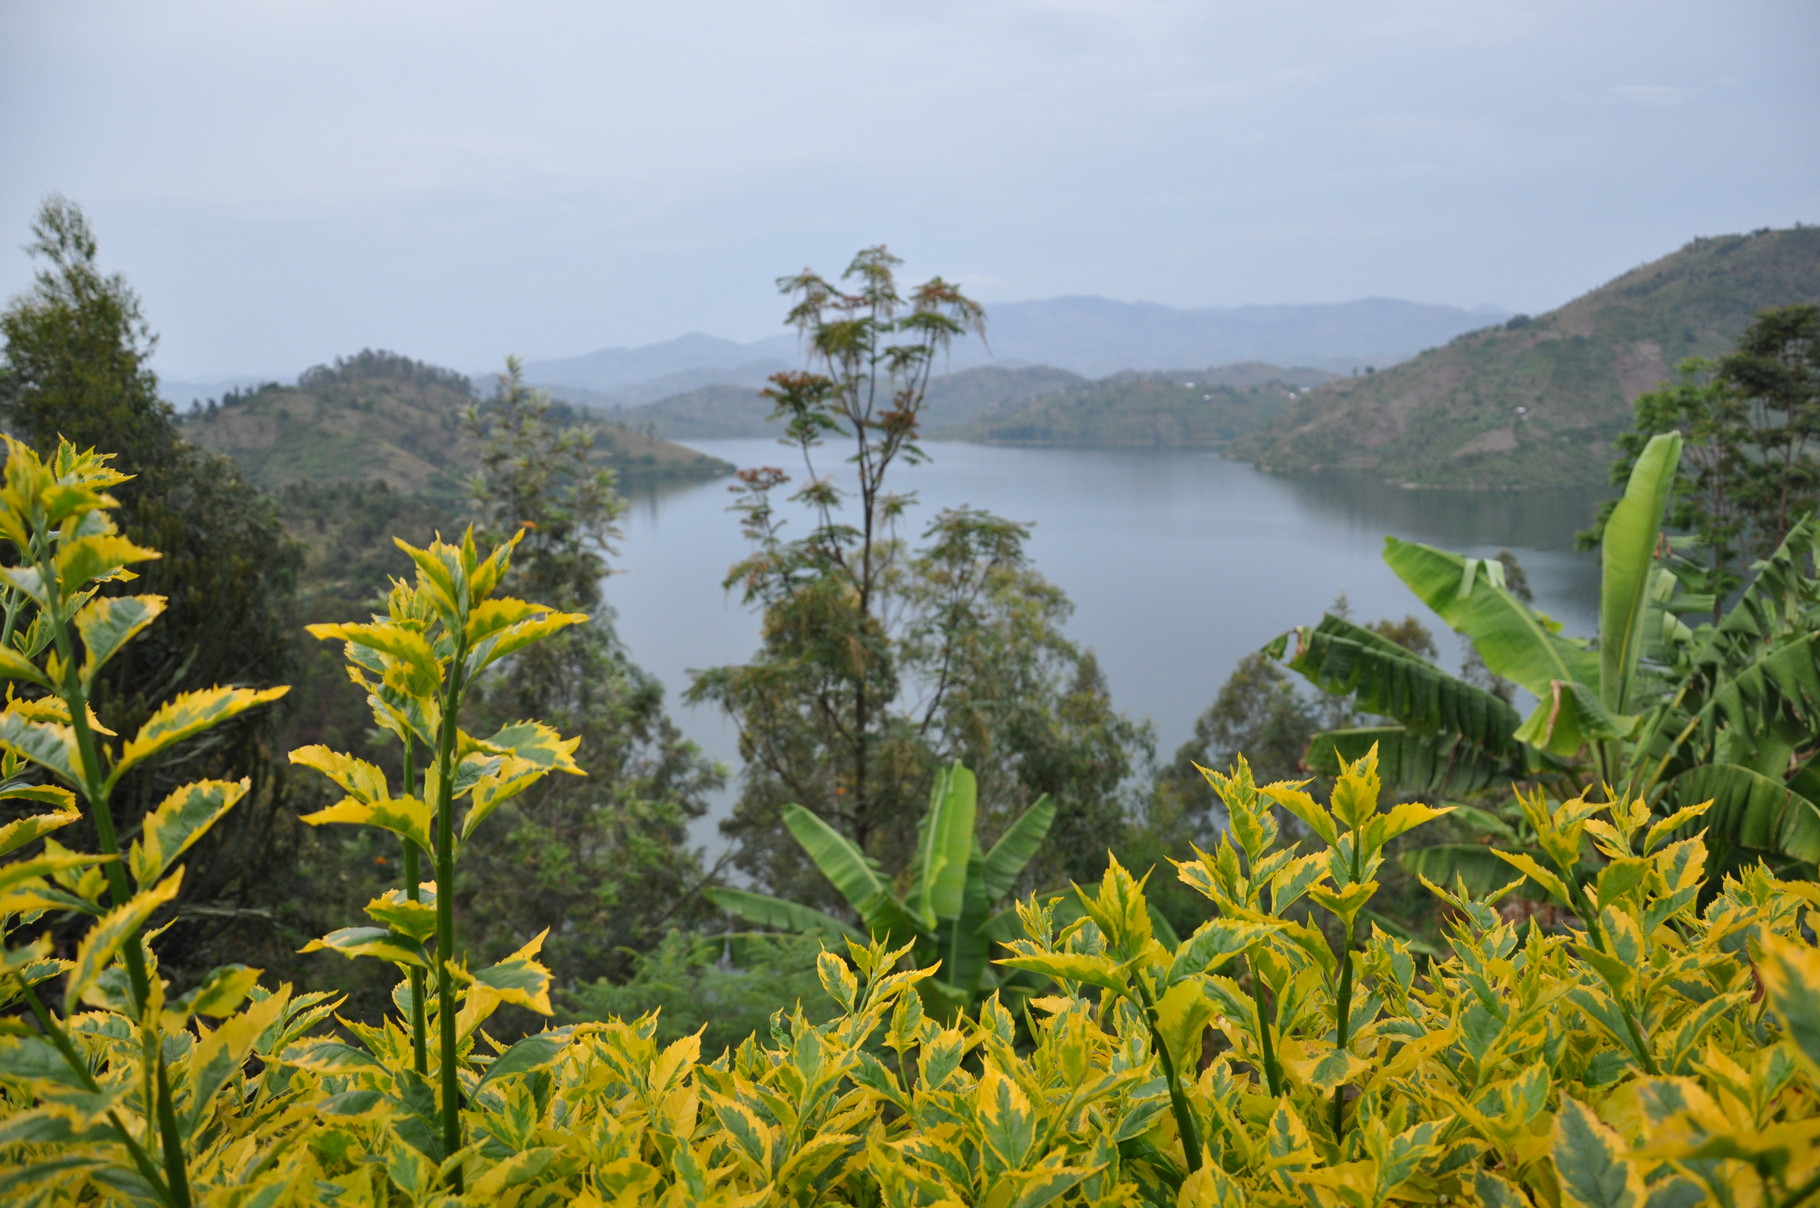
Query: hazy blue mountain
1089	336
611	370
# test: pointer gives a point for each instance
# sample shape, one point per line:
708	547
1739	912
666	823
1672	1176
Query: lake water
1178	563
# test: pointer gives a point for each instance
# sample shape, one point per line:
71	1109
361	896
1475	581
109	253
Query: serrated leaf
1591	1162
186	715
119	926
399	913
20	831
518	978
1548	881
180	819
406	817
356	777
107	623
1791	976
378	942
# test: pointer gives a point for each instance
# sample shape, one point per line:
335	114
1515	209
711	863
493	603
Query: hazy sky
286	181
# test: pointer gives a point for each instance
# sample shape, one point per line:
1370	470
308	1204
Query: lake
1179	563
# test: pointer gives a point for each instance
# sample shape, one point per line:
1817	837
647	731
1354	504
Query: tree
602	861
1750	466
879	662
77	365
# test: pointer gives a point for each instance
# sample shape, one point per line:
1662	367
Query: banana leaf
780	915
1628	558
1570	715
1015	848
965	945
1472	863
1516	642
854	874
1385	679
1753	810
946	846
1425	764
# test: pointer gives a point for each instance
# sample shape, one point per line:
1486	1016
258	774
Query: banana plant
954	908
1668	713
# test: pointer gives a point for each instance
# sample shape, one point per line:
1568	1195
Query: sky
286	181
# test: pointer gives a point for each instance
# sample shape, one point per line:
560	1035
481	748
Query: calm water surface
1178	563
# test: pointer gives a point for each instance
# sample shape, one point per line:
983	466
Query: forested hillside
1536	402
379	417
1209	407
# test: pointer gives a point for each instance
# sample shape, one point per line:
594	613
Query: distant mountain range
1088	336
1536	402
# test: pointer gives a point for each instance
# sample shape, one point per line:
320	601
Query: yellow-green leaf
1791	975
187	715
517	979
96	559
1526	864
107	623
20	831
394	910
119	926
371	941
1591	1162
406	817
180	819
356	777
50	745
399	642
538	744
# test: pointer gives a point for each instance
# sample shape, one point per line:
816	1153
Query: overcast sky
286	181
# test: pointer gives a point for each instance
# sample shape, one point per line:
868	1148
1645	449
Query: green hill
378	417
1536	402
954	401
1184	409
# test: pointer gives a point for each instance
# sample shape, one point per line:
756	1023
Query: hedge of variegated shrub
1658	1051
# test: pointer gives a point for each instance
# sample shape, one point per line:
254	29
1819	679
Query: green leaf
406	817
1791	978
1215	942
518	978
1526	864
377	942
48	744
1015	849
1752	810
539	745
1590	1161
1430	764
1568	716
119	926
20	831
390	639
964	943
1069	966
186	715
1515	640
180	819
773	912
854	874
947	842
393	910
1627	556
107	623
527	1055
97	559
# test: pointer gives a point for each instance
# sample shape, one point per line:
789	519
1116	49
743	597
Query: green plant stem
97	790
413	876
1178	1098
64	1046
445	909
1342	1023
1273	1074
1800	1193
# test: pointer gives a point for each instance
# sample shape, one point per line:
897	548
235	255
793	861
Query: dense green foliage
1143	409
76	365
1751	464
1539	403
